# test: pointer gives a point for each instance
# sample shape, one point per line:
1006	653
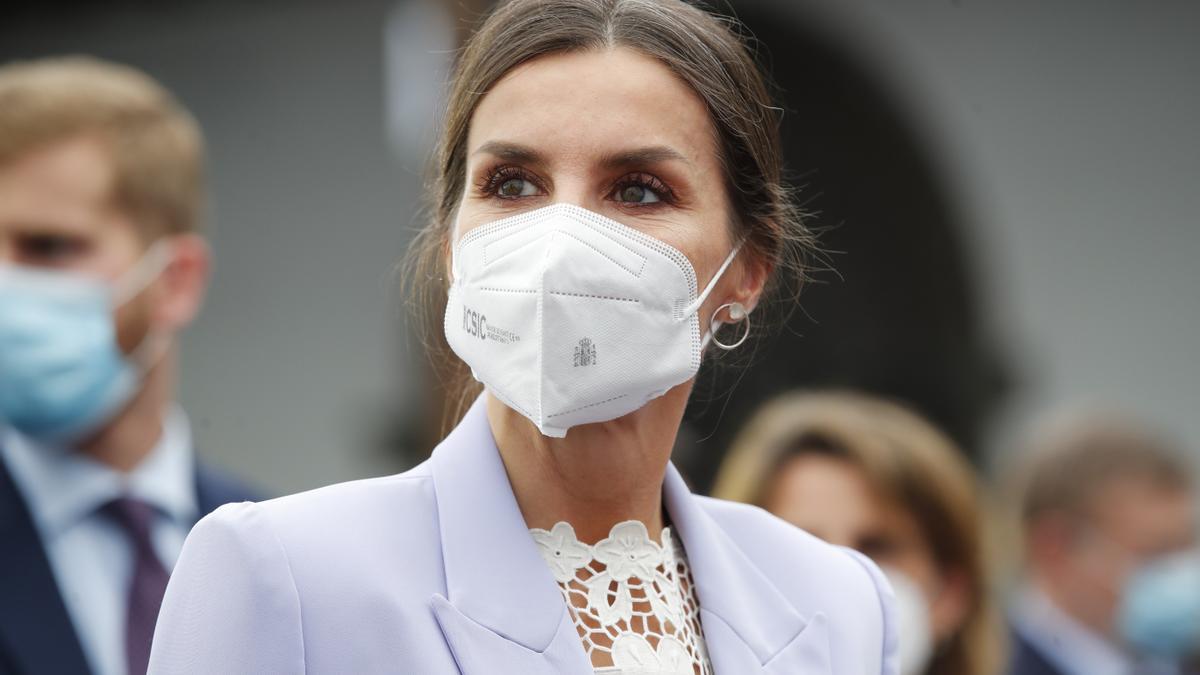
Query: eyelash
645	180
495	177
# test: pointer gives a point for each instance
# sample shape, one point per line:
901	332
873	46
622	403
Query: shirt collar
1071	646
63	487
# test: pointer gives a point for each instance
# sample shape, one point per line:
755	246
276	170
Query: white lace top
632	599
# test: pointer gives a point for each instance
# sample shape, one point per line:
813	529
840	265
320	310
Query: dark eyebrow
515	152
642	156
511	152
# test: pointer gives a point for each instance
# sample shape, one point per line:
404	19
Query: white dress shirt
1071	647
89	553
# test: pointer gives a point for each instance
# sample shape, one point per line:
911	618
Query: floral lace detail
632	600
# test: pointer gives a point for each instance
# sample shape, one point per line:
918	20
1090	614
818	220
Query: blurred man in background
101	266
1109	523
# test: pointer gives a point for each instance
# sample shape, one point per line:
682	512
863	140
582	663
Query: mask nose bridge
609	247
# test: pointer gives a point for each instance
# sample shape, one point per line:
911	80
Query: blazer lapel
749	626
479	650
502	612
36	633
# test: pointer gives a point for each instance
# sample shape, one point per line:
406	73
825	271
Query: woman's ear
753	272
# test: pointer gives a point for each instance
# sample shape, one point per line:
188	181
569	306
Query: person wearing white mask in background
608	212
866	473
1112	559
101	265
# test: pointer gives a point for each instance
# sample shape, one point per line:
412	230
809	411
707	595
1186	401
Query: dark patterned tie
148	583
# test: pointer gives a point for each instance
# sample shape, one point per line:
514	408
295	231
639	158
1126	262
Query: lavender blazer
433	571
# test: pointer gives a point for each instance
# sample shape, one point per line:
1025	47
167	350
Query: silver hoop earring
736	312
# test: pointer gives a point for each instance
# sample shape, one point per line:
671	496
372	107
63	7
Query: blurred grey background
1061	136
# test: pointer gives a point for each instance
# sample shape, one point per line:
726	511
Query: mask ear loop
694	306
737	313
712	283
142	274
154	345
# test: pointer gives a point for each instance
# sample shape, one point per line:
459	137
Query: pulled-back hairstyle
705	51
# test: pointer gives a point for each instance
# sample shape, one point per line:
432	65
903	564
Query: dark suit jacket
36	634
1026	659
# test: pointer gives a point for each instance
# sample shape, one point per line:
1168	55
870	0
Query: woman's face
615	132
832	498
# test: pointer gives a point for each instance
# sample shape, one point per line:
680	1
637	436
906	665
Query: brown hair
906	460
155	145
705	51
1073	460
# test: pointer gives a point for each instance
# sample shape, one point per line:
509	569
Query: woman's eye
636	194
516	187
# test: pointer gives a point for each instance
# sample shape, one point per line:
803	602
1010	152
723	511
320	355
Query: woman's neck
599	474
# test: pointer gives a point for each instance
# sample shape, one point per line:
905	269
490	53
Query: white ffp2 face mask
570	318
912	613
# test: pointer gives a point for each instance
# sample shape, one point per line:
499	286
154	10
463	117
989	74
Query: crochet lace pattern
632	599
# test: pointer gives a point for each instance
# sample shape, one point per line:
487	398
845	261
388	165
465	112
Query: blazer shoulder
333	510
817	577
336	551
271	587
231	592
378	519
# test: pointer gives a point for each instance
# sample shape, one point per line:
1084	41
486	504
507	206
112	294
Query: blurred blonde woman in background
871	475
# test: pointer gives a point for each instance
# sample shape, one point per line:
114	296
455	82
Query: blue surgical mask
1160	606
62	373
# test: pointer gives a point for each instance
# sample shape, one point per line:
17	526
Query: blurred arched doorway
898	314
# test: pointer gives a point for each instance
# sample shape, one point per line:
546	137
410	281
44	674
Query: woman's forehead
592	104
